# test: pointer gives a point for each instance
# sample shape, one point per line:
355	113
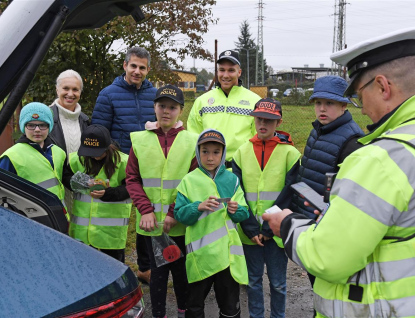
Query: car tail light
114	309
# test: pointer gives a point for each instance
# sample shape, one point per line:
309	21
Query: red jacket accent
133	178
264	148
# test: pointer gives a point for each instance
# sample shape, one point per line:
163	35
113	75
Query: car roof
24	24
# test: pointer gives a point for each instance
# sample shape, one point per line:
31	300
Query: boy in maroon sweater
159	158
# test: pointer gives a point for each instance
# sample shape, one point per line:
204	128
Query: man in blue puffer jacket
127	104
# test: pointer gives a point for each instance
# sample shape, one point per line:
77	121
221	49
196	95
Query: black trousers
143	259
160	278
117	254
226	293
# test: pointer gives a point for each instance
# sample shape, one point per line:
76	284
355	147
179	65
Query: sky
296	33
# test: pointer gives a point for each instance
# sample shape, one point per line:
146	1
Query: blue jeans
276	260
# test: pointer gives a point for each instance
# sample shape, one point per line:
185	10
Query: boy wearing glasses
331	140
34	157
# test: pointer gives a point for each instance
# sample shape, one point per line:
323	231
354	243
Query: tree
202	76
245	42
170	31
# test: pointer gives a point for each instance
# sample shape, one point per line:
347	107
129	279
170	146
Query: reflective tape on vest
237	250
206	213
207	239
99	221
263	195
171	184
152	182
86	198
401	307
48	183
157	207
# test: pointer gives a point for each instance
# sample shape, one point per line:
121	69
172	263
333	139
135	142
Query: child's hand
257	239
169	223
96	194
232	207
209	205
148	221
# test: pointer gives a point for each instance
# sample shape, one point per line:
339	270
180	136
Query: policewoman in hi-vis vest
34	157
362	251
210	202
266	165
100	218
160	157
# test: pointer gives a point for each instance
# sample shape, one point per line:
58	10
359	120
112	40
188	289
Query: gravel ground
299	297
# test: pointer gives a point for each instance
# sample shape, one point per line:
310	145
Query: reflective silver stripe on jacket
99	221
403	130
156	183
206	213
401	307
87	199
48	183
385	271
263	195
152	182
298	226
236	250
171	184
207	239
157	207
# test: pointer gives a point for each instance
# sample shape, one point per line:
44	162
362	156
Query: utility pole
339	34
260	46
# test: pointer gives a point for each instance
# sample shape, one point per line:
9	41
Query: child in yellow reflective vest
266	165
210	201
100	218
159	158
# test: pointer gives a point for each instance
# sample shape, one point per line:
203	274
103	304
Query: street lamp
247	62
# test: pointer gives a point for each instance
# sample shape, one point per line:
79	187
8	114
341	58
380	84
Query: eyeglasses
355	99
33	126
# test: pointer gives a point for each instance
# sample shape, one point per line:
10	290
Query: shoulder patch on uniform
244	102
211	101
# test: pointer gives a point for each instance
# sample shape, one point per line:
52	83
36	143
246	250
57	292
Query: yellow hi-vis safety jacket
212	243
31	165
262	188
362	252
98	223
228	114
162	175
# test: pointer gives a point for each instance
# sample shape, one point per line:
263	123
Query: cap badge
168	91
227	53
364	64
35	116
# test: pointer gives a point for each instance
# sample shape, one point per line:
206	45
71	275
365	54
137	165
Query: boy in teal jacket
210	201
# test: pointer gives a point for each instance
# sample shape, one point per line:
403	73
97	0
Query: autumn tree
202	76
170	31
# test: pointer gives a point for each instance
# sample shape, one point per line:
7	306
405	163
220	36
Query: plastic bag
165	249
83	183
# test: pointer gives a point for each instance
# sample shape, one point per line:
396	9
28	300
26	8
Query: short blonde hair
69	73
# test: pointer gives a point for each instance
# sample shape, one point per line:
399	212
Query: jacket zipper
263	154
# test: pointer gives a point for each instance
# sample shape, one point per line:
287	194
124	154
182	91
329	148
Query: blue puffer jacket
122	108
325	145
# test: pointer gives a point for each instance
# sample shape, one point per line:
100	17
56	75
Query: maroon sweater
134	180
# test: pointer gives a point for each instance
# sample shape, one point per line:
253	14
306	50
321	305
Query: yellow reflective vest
228	114
31	165
162	175
101	224
262	188
212	243
362	252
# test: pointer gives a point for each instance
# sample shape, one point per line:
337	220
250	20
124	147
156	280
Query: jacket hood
222	162
280	137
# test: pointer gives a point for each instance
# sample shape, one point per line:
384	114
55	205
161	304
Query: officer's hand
274	220
209	205
96	194
169	223
148	222
315	211
257	240
232	207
